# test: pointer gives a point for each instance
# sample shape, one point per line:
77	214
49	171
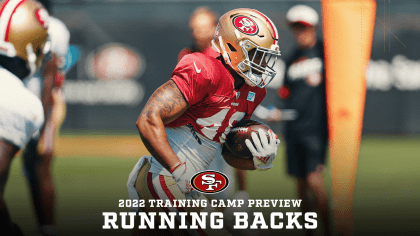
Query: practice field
91	174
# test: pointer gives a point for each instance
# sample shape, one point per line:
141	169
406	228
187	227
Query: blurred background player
186	120
39	153
303	92
23	36
203	22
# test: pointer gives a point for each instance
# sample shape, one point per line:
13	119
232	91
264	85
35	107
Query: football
235	140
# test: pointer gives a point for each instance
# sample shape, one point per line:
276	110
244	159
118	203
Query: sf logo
246	24
209	181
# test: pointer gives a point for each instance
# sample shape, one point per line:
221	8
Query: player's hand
265	151
182	177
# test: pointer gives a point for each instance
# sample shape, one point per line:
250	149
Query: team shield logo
245	24
210	181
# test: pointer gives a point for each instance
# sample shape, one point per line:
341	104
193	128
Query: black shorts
305	153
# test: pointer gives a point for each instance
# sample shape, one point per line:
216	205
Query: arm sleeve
194	86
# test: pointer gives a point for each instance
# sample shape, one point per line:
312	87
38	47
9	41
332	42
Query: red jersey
186	51
215	104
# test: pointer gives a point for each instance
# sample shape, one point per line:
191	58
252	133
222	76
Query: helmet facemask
258	66
35	57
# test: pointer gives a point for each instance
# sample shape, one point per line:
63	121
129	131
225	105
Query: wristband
174	167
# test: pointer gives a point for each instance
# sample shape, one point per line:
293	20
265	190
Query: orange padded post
348	30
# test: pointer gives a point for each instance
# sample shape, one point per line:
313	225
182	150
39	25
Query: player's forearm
48	85
164	106
236	161
153	135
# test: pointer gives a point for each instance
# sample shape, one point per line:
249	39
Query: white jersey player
23	35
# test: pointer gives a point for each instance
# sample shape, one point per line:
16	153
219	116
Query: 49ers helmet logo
245	24
209	181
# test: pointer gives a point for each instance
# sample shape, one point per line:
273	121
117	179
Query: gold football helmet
23	31
248	42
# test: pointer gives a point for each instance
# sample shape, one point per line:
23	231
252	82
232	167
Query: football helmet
248	42
23	31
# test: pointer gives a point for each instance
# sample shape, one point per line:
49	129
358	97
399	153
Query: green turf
387	194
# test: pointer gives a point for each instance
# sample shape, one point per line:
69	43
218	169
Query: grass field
91	173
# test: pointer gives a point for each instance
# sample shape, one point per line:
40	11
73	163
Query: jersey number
216	127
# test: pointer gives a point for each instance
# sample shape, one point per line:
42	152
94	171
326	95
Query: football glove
182	177
265	150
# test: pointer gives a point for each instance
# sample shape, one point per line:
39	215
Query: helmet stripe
9	8
2	7
6	38
271	25
4	20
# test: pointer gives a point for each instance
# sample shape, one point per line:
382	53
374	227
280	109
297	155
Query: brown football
235	140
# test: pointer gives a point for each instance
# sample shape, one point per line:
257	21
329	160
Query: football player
185	122
39	153
203	23
306	135
23	36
